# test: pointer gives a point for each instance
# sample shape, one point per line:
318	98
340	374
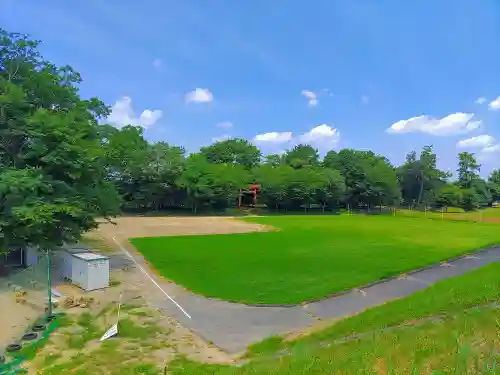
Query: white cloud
321	136
199	96
311	96
225	124
495	104
157	63
481	100
273	137
490	149
224	137
483	141
123	114
365	99
456	123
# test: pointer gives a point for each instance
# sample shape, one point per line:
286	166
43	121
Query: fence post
49	285
442	213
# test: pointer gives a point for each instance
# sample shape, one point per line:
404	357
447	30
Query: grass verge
454	341
311	257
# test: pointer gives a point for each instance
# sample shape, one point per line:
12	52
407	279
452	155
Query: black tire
13	348
30	336
50	318
39	327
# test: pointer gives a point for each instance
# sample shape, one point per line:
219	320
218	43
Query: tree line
156	176
62	166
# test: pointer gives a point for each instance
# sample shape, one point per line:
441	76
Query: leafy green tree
483	192
274	184
127	157
303	185
468	169
494	184
302	156
369	179
420	179
164	167
448	196
274	160
470	200
475	191
382	183
195	181
53	182
212	185
232	151
332	190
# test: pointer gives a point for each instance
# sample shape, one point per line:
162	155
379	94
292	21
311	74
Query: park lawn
400	337
310	257
491	214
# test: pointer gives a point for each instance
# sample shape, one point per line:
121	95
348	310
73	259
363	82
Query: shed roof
90	256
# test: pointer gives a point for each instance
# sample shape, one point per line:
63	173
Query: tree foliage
52	166
232	151
62	166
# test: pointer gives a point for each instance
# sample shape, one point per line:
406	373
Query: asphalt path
233	326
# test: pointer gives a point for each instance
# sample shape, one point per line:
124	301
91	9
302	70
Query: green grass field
461	342
311	257
489	214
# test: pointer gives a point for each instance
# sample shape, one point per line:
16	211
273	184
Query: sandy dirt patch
17	317
18	312
146	336
163	338
130	227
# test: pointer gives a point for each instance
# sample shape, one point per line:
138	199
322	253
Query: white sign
113	331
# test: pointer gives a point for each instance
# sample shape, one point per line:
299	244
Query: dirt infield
130	227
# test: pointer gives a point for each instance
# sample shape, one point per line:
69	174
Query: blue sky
334	74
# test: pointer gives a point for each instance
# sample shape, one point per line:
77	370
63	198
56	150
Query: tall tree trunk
421	189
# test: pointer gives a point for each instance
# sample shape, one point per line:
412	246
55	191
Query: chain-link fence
425	212
24	296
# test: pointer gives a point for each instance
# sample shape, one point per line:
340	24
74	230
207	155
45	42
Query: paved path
233	326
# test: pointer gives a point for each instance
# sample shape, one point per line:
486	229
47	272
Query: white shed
90	271
31	256
65	256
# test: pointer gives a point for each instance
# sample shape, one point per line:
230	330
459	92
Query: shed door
96	274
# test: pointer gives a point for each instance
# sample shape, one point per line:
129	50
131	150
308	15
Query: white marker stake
118	312
113	331
151	279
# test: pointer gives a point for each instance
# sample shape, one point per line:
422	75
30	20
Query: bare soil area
146	336
130	227
23	299
17	317
147	339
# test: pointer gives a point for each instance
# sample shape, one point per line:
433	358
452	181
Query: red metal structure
248	196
